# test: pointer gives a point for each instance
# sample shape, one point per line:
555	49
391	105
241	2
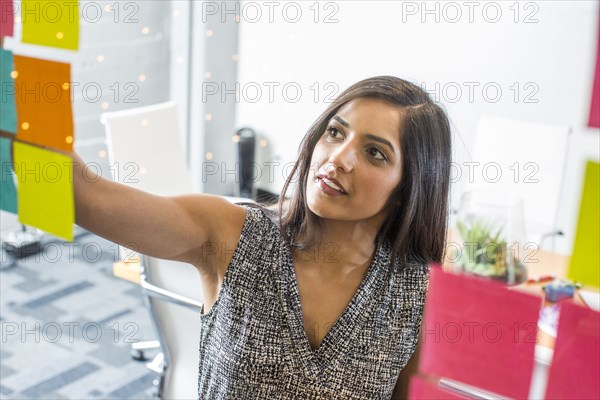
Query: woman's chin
324	209
316	206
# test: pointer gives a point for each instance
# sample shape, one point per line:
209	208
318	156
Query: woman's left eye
377	154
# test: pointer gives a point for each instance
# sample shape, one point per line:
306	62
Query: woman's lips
324	184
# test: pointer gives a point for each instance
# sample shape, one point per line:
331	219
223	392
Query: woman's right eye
331	131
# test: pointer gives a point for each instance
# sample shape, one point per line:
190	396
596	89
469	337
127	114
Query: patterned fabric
253	344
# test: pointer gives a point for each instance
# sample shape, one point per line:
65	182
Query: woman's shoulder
250	225
266	217
251	233
411	270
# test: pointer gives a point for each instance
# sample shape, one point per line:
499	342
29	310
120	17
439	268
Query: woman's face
360	149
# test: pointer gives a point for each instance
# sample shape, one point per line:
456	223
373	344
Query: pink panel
480	333
575	370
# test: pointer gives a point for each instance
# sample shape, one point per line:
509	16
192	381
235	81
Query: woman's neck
345	243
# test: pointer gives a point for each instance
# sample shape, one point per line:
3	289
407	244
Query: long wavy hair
418	206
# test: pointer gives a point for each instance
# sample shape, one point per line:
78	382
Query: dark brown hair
418	206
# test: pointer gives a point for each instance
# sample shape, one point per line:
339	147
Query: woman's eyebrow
381	140
341	121
368	135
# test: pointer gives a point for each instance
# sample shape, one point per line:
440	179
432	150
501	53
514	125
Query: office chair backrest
144	152
522	157
144	149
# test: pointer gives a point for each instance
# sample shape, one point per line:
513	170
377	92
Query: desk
542	262
548	263
129	271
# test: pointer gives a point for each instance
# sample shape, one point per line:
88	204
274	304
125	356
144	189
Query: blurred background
261	72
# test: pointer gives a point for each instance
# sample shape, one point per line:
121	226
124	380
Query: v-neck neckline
337	339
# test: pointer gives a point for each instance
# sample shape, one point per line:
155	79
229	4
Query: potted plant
487	253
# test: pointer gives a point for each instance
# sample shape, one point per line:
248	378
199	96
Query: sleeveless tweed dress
253	344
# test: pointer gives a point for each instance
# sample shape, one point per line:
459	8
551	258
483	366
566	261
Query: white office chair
531	159
145	152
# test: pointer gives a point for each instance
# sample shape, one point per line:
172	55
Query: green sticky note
8	110
585	260
8	192
45	182
51	23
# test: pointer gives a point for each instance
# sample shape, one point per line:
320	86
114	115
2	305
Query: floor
68	324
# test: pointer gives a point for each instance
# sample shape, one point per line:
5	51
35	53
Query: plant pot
490	225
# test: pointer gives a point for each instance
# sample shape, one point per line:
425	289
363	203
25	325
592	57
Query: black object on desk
247	171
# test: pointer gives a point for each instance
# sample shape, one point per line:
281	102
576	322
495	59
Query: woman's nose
344	157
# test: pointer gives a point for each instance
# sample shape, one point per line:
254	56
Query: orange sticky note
43	99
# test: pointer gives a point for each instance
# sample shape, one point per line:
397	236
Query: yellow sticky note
45	187
585	260
51	23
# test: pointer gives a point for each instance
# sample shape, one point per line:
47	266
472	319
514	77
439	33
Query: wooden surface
130	271
547	263
543	263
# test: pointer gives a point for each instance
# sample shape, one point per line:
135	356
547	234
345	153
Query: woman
322	299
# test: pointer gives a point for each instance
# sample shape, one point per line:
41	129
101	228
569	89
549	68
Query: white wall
553	55
204	51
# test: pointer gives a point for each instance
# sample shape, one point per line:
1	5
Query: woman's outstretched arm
173	228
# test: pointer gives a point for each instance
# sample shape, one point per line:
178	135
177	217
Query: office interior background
274	67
